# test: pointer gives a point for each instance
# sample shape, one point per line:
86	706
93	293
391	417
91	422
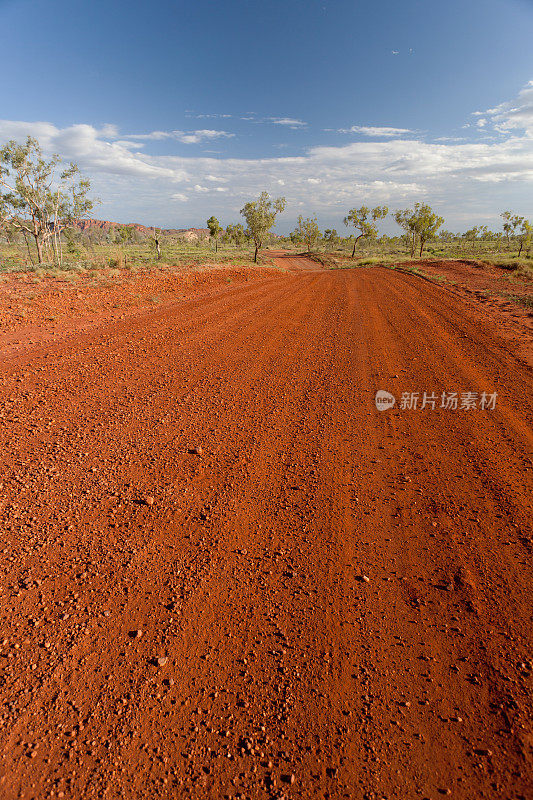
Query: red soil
500	292
340	598
37	309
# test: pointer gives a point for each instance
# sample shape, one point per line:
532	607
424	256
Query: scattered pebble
196	451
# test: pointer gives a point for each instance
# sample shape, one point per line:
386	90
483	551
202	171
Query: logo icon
384	400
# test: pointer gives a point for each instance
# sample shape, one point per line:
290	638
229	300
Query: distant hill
104	225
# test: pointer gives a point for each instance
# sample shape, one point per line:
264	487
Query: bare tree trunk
28	246
39	246
255	256
57	242
355	244
54	250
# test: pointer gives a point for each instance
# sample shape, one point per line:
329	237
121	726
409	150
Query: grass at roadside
368	261
516	298
135	257
139	257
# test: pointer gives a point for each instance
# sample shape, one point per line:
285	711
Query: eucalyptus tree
214	229
260	216
235	234
331	237
364	220
420	224
406	220
125	234
515	225
307	231
508	219
471	235
37	199
524	235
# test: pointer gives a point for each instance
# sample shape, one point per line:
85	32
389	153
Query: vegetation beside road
43	204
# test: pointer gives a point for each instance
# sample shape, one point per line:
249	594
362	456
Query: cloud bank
465	180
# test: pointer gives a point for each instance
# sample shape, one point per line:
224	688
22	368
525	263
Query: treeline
420	225
41	204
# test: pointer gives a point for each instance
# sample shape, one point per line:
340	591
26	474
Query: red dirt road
294	261
284	672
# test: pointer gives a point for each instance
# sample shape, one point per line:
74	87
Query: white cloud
288	122
109	131
514	115
195	137
185	137
154	135
376	132
198	188
208	116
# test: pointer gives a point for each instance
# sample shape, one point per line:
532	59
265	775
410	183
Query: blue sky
180	110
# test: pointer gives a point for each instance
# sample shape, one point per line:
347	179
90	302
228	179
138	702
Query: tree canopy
364	220
331	236
307	231
236	234
525	233
420	224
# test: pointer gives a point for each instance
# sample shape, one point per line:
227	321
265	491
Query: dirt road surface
226	574
294	262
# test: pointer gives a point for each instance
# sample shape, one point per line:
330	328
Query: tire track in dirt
246	573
